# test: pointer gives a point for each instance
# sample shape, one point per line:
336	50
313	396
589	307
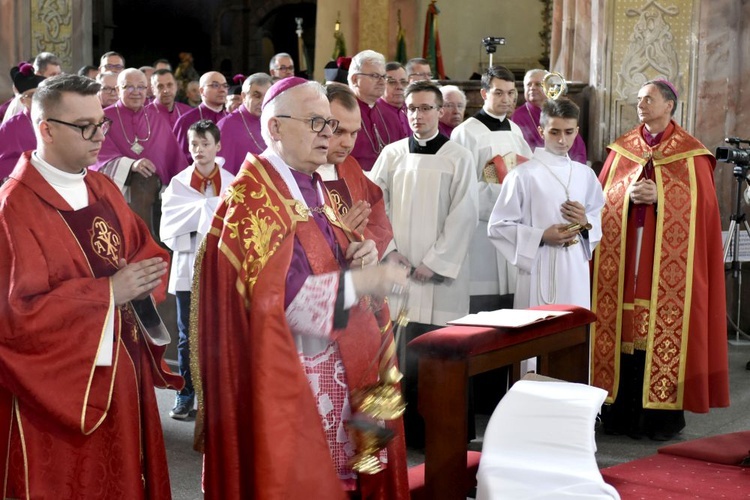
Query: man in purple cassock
139	139
240	131
380	127
17	133
393	97
213	89
527	116
164	88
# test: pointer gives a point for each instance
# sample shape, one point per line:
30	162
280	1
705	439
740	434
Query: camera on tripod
491	42
737	155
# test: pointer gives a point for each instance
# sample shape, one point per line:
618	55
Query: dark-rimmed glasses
425	108
317	123
393	81
88	131
375	76
284	68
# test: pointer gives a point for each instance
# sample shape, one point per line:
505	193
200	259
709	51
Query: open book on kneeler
507	318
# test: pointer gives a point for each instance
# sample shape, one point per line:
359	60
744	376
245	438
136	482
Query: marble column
29	27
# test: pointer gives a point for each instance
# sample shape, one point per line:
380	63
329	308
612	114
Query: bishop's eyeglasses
317	123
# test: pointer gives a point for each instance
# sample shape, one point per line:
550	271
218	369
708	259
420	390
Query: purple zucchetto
668	84
280	87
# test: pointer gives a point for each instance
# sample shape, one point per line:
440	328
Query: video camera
491	42
736	154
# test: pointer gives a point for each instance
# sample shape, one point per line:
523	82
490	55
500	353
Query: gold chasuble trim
609	276
22	437
672	283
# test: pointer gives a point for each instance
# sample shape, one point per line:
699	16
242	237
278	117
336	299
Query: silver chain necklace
248	130
135	147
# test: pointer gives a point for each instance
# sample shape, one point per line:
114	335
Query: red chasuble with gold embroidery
676	311
352	186
261	430
71	429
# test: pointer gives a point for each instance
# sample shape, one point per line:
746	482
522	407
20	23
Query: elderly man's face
533	91
369	82
297	144
193	92
132	89
454	106
395	85
253	99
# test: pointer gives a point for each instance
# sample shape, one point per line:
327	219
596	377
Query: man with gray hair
418	69
77	263
281	66
380	126
47	64
286	328
527	116
454	105
108	90
140	141
240	131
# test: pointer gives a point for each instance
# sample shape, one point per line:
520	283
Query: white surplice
431	201
186	216
529	203
490	272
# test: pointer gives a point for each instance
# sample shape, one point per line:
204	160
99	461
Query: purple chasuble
202	112
178	110
300	268
379	128
4	107
527	118
240	134
16	136
153	134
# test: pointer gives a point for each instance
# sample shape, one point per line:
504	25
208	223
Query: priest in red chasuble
659	343
77	369
358	200
290	323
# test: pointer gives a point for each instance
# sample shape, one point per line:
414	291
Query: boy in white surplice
188	206
547	219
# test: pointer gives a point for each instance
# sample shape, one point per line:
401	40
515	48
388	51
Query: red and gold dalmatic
676	311
259	425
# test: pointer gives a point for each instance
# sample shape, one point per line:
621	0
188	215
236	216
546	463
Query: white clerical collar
497	117
328	172
285	171
71	187
423	142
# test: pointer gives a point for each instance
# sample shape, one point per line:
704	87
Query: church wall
462	25
27	28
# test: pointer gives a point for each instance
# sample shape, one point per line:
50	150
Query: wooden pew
449	356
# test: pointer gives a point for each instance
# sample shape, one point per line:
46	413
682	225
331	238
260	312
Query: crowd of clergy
433	196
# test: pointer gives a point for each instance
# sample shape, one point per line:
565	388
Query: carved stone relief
52	28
